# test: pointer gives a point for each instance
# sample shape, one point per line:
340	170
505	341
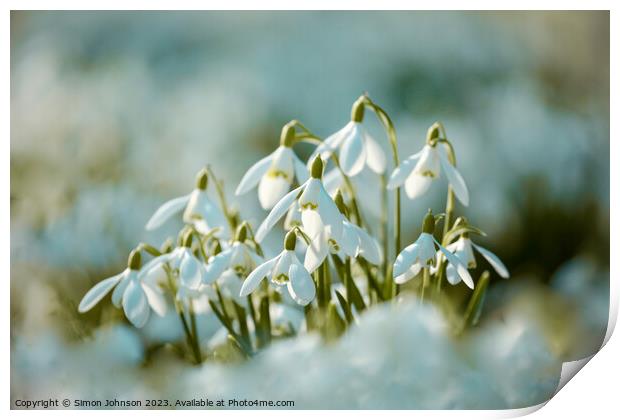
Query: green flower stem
327	288
150	249
391	133
194	330
441	269
348	278
222	196
474	306
191	342
384	223
425	280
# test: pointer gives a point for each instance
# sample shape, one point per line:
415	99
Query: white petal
310	197
214	218
277	212
350	240
155	298
353	152
331	143
454	178
369	247
452	275
461	269
271	190
494	260
300	287
152	267
191	271
117	295
98	292
282	266
135	304
406	259
316	252
416	185
293	217
253	280
253	175
217	265
409	274
330	215
332	181
403	170
301	172
311	223
426	251
375	157
428	164
167	210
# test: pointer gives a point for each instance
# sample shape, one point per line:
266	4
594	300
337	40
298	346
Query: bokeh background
114	112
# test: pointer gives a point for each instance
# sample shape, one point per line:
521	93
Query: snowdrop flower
351	241
421	254
357	147
134	295
198	210
463	248
419	170
275	173
233	265
192	271
284	270
318	210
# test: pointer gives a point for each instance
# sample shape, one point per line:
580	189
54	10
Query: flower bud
433	134
134	262
317	168
187	239
357	111
167	246
202	179
339	200
428	225
290	240
287	136
242	232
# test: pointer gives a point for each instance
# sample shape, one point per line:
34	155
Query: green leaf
345	308
474	306
264	322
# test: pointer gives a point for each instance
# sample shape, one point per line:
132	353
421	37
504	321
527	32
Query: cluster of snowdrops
329	263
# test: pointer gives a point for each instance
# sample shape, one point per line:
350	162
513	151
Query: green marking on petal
277	173
281	279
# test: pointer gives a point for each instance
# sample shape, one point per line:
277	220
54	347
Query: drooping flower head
232	266
318	210
191	270
275	173
285	270
418	171
357	147
421	254
352	241
463	248
136	296
198	210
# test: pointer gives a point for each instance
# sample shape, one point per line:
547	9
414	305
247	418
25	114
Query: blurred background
113	113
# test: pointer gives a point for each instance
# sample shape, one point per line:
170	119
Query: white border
596	387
